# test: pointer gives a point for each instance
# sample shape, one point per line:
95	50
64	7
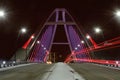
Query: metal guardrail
4	64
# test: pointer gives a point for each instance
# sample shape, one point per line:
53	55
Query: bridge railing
4	63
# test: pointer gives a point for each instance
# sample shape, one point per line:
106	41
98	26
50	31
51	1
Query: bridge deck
61	71
96	72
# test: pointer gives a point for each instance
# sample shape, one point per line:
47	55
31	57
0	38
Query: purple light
45	41
40	50
76	48
78	45
44	48
42	45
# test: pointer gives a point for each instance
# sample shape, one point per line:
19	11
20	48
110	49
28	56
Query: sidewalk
63	72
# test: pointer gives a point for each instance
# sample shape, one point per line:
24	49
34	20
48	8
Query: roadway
37	71
30	72
95	72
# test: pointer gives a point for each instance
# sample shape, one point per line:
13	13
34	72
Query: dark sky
33	13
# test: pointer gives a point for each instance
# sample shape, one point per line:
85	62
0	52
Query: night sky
33	13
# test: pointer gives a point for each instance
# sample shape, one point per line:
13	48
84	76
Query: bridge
62	40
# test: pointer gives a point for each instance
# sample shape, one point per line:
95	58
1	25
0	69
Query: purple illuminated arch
58	17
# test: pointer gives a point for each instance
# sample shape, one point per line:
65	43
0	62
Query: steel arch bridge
38	49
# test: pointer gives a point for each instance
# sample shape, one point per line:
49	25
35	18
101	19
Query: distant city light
49	62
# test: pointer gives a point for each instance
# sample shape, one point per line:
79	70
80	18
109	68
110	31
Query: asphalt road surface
36	72
95	72
30	72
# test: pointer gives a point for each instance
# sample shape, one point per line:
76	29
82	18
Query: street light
38	42
78	45
2	13
4	62
97	30
117	13
87	36
76	48
42	45
82	42
44	48
23	30
33	37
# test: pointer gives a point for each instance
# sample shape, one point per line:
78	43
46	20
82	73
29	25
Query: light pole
23	31
98	30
